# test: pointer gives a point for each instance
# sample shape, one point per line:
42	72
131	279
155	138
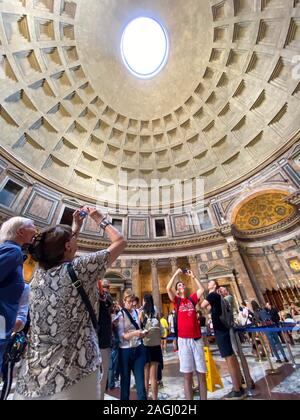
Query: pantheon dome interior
196	161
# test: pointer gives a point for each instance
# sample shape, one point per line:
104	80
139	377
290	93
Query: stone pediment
22	176
219	269
71	201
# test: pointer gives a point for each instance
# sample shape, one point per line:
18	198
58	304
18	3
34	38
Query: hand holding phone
83	214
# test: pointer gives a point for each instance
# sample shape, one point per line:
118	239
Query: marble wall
263	260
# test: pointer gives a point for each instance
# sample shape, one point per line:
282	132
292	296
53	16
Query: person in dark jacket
222	334
14	234
274	314
105	331
271	314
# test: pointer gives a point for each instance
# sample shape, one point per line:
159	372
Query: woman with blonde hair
132	357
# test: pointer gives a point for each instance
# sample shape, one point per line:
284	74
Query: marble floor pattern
284	383
290	385
284	376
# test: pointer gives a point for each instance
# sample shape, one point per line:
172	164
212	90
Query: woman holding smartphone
132	356
63	358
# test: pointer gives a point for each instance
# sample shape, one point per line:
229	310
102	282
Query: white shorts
191	355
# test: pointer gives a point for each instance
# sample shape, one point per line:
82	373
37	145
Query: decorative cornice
226	230
294	199
158	246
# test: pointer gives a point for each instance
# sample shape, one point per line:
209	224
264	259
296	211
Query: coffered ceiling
225	103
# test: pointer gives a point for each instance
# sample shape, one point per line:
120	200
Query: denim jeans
275	344
113	368
3	345
132	360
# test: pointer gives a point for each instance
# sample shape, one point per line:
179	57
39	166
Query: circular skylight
144	47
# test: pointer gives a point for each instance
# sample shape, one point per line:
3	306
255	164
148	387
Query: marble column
136	283
194	266
155	286
174	265
246	279
280	276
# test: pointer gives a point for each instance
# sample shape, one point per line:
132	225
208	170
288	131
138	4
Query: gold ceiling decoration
263	211
225	103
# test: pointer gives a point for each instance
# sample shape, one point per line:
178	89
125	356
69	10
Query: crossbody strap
133	322
78	286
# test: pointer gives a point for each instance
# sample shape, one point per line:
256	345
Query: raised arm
171	286
118	243
199	287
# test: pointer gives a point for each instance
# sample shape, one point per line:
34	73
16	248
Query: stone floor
283	383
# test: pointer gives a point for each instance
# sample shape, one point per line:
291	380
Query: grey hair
9	229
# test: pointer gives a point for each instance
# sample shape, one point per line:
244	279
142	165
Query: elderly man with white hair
14	234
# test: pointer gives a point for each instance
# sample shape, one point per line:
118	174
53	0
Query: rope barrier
267	329
253	329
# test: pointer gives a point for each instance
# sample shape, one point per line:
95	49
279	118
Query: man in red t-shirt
190	344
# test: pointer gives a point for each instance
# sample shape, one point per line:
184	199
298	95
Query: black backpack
226	317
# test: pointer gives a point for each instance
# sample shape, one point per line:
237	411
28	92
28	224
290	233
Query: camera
83	214
185	271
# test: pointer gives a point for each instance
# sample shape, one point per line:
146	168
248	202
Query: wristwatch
105	223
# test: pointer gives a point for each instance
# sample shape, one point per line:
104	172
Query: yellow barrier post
213	377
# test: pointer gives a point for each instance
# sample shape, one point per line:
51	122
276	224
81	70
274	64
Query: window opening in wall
160	228
205	222
67	217
118	224
10	193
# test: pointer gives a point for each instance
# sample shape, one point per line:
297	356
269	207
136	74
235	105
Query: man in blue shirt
14	234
